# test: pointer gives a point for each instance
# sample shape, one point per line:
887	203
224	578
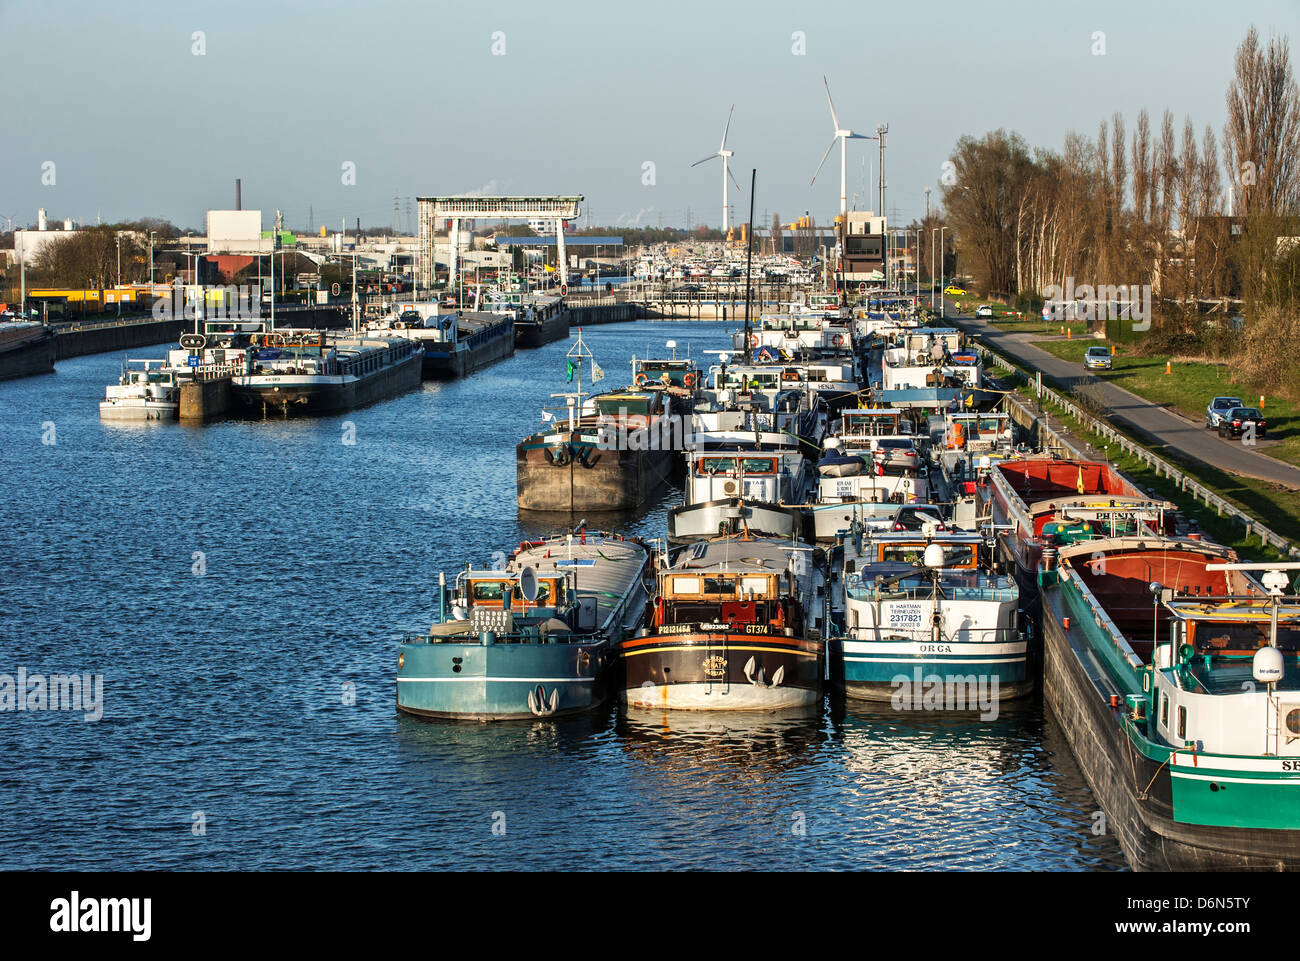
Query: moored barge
306	372
1176	679
534	638
738	624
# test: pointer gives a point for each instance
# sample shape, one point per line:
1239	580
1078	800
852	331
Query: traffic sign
564	289
193	341
192	360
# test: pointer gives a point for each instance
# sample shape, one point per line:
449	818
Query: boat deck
605	570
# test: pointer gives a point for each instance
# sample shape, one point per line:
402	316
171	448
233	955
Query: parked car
914	517
1098	358
1217	408
896	453
985	311
952	290
1238	420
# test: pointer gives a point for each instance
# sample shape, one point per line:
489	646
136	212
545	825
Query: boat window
1164	711
543	594
624	404
719	585
758	465
715	465
1182	721
754	585
487	590
1242	636
686	585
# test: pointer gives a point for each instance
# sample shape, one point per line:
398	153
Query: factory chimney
238	204
40	219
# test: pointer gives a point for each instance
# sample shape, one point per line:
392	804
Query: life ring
753	340
837	340
689	380
641	380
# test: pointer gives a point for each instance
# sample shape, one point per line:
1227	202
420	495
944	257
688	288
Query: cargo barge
307	372
1175	677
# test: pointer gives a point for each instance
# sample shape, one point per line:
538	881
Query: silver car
1217	408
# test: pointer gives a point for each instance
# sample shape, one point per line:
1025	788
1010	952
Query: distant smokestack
40	219
238	200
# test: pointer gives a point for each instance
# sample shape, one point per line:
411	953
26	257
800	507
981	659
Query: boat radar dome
1268	665
933	557
1276	583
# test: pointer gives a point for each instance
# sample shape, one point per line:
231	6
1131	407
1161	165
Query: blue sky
584	95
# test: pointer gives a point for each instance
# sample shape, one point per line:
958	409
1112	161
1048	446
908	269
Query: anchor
777	678
537	701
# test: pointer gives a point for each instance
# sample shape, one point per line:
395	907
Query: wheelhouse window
1210	637
544	592
487	590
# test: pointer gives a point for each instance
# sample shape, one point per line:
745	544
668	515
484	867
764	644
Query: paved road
1142	417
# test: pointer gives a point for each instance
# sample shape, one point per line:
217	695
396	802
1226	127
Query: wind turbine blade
705	160
733	178
824	156
834	118
726	128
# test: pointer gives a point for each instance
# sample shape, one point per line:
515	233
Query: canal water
241	588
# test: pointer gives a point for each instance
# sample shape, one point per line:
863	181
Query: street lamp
932	232
942	266
117	294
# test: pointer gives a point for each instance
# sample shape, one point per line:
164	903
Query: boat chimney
238	199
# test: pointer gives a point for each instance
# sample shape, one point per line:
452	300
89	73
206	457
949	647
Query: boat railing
963	634
206	372
861	589
1103	620
527	635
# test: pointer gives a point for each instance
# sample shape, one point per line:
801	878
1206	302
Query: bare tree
1261	138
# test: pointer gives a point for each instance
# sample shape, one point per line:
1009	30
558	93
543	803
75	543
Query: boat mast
749	257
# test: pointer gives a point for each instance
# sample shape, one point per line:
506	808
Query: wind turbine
724	153
843	135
